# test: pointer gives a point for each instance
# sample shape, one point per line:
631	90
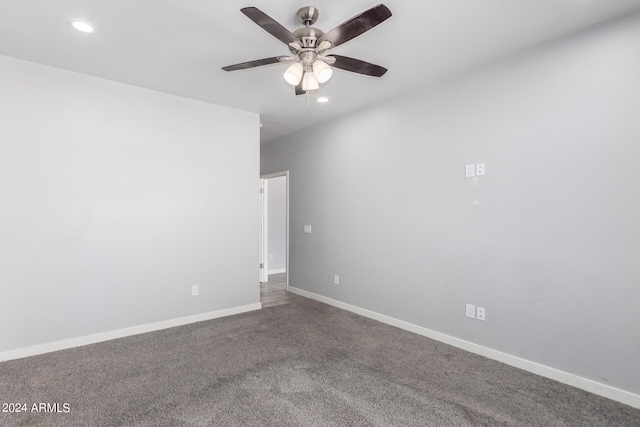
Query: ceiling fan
308	46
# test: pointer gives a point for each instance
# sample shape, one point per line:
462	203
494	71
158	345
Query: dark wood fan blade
358	66
269	25
357	25
299	90
251	64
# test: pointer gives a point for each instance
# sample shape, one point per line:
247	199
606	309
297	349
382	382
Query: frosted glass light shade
322	71
309	81
293	74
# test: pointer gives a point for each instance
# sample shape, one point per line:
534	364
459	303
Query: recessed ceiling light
81	26
323	99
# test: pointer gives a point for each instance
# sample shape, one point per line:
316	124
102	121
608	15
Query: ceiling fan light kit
293	75
322	71
309	82
307	46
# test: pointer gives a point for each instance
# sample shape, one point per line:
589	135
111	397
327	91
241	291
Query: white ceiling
179	46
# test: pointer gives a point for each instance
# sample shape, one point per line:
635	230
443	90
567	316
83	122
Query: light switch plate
471	311
470	171
307	229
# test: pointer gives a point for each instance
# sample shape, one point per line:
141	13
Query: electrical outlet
336	279
480	169
480	314
471	311
195	290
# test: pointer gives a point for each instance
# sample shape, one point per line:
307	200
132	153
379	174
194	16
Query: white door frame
265	233
264	230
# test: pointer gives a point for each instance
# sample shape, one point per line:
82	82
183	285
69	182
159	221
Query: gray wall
277	223
552	249
114	201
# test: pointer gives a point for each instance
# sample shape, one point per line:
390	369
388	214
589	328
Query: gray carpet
301	364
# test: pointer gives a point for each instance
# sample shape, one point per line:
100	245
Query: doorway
274	251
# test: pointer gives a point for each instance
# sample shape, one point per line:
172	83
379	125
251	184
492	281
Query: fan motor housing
308	36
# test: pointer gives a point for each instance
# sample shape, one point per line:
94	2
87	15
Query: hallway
274	292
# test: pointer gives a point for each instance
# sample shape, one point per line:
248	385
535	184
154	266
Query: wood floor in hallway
274	292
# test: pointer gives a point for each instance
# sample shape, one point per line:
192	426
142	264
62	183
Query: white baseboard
278	271
121	333
591	386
